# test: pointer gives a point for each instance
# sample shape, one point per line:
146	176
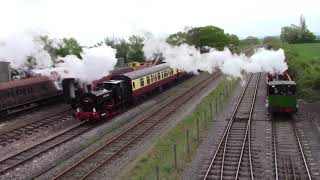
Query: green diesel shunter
281	95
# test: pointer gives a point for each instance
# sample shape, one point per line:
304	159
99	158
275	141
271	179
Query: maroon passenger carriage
18	94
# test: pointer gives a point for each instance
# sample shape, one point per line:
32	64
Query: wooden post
157	172
227	89
211	111
198	130
188	146
205	119
216	101
175	155
220	100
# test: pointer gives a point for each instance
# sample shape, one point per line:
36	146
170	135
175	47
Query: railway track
289	157
28	129
13	161
232	158
114	148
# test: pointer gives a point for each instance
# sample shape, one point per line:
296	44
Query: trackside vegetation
304	66
160	160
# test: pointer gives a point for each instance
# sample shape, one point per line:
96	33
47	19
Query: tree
250	40
70	46
233	39
208	36
200	37
135	52
60	48
136	55
136	41
122	48
120	44
297	34
178	38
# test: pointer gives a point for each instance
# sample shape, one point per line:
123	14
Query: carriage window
151	78
133	85
148	79
158	76
171	71
141	82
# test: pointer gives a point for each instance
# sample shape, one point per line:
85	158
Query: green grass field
306	51
304	68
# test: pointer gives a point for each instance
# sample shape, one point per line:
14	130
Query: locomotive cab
119	92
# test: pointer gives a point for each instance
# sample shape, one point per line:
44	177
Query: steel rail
127	131
301	149
226	133
275	149
6	136
248	131
25	159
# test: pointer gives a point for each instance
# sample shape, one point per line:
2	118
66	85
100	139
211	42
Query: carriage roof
274	83
146	71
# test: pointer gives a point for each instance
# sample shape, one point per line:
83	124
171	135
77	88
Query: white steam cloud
189	59
16	48
95	63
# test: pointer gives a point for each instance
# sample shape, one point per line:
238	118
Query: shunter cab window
282	90
141	82
148	79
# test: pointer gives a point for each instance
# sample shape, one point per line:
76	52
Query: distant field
308	51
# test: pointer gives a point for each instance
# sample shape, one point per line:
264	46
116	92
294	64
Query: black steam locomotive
107	98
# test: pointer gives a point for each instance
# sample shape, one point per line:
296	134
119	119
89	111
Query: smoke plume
189	59
18	47
95	63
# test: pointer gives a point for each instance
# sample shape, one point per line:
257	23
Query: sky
90	21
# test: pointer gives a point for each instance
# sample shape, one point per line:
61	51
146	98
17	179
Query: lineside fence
174	151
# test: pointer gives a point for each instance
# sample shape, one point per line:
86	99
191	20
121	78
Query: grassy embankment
161	154
304	68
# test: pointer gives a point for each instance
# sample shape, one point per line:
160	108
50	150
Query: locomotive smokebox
69	91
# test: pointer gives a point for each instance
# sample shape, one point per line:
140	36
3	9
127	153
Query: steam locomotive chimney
68	89
89	88
72	90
